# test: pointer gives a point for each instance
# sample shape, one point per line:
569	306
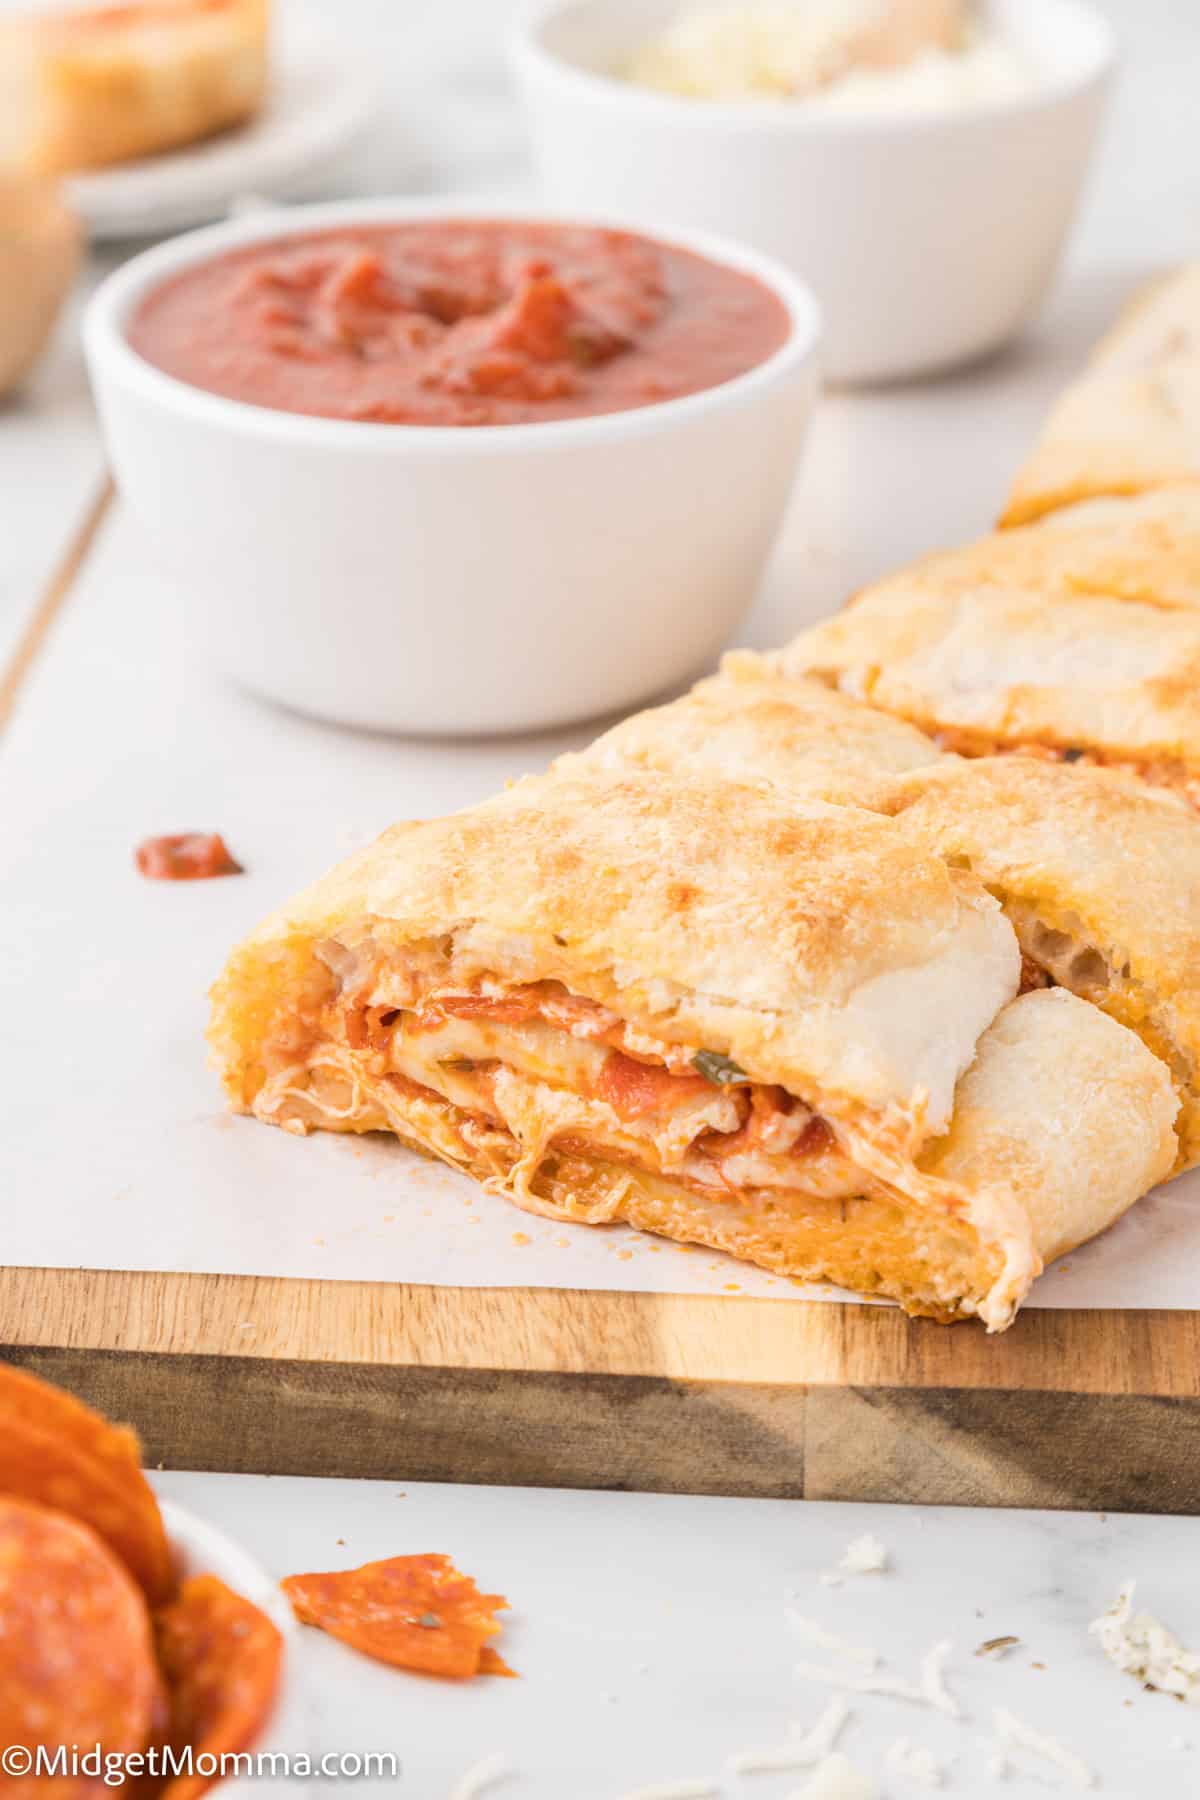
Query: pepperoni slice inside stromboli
634	1088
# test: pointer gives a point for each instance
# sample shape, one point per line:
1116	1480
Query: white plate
203	1550
319	100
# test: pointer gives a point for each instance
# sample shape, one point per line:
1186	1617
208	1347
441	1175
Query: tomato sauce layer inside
463	322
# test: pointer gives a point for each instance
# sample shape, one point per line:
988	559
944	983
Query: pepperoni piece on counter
492	1663
188	856
413	1612
57	1452
222	1657
77	1664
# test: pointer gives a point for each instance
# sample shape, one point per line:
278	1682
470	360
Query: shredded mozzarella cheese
1012	1731
675	1790
931	1690
838	1779
802	1752
1140	1646
763	50
915	1764
815	1634
864	1555
483	1775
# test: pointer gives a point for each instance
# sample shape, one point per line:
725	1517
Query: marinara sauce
459	322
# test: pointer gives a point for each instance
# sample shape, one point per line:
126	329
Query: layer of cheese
525	1086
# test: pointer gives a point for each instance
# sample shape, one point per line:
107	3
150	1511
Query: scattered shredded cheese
864	1555
933	1679
675	1790
483	1775
1137	1644
820	1639
838	1779
1012	1731
802	1752
909	1761
931	1690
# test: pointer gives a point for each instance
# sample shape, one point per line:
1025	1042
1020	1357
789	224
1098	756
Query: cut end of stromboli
773	1027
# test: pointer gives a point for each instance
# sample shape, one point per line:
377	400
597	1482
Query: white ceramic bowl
928	239
453	580
203	1550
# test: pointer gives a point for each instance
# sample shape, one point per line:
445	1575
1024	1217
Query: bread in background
99	85
40	246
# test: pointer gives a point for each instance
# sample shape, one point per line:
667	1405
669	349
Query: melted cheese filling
545	1072
539	1081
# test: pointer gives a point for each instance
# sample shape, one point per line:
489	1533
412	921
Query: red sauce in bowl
459	322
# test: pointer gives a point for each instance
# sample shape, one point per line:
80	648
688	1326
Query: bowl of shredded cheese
918	162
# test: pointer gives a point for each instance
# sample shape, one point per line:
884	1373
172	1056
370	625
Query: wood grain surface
669	1393
679	1337
52	598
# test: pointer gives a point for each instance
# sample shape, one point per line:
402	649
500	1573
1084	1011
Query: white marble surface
653	1639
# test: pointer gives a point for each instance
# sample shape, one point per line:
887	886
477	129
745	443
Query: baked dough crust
748	723
1039	646
1101	881
1065	1112
104	84
1143	547
1132	420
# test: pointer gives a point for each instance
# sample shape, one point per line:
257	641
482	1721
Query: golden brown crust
748	723
1132	420
1144	547
1160	321
1036	646
1065	1113
1101	880
102	85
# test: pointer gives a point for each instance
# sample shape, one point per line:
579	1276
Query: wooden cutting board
676	1392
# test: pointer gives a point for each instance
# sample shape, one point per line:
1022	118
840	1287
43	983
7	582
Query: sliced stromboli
750	724
1161	320
1143	547
1132	420
1138	547
1101	880
706	1007
990	656
1065	1115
